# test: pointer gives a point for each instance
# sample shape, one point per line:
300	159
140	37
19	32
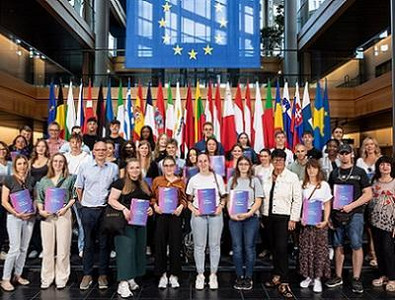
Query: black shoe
334	282
356	286
239	283
247	284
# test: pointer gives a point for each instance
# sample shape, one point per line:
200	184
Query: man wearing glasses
54	141
350	183
281	210
93	184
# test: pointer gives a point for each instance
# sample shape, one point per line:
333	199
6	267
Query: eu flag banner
192	34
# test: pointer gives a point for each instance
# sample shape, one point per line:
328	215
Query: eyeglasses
345	153
169	166
276	160
244	164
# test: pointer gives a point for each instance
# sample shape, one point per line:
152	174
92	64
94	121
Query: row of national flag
292	115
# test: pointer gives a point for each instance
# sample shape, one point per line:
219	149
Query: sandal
285	291
7	286
380	281
275	281
20	280
390	287
373	263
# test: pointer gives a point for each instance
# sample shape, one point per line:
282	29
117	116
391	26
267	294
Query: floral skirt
314	254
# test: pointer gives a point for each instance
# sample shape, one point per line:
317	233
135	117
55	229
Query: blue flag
327	117
109	110
192	34
51	104
318	119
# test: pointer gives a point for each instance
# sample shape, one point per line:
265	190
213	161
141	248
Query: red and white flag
208	108
228	121
239	111
217	119
259	143
247	112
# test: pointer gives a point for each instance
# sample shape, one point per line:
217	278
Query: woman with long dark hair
248	152
146	134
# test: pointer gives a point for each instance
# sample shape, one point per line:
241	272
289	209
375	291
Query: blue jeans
244	232
92	218
354	231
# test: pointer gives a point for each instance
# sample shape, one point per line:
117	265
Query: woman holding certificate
16	197
245	198
169	200
131	195
55	195
205	191
314	253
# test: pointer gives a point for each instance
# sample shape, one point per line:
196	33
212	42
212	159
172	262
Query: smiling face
208	130
54	131
192	156
280	140
211	147
370	146
100	151
244	166
203	163
163	141
110	149
21	166
171	150
133	170
338	133
145	133
243	140
58	163
312	172
143	150
41	147
301	152
332	148
237	152
20	143
264	158
169	167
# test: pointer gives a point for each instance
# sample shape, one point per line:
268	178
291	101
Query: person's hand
303	223
348	208
218	211
322	224
196	212
291	225
150	211
126	214
62	211
178	210
157	209
393	233
44	213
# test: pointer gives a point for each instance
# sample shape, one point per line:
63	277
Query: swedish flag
318	119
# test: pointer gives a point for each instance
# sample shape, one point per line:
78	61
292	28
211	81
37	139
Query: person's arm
327	212
113	200
296	204
5	195
155	197
190	192
366	196
71	201
40	200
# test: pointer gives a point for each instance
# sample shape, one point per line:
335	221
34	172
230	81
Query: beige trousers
56	233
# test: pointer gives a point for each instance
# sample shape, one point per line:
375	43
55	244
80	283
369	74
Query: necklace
344	178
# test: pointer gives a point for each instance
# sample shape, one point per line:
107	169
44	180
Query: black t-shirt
126	199
90	140
358	179
314	153
118	141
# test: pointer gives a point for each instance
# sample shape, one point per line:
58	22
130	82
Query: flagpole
393	74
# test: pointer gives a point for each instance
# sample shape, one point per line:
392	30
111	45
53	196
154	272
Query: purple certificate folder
207	201
343	195
217	163
22	202
54	199
238	202
138	212
168	199
312	212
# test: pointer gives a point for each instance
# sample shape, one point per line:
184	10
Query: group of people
283	190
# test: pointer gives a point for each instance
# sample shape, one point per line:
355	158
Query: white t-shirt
370	170
200	181
75	161
323	194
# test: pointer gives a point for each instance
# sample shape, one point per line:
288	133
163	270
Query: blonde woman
56	226
160	147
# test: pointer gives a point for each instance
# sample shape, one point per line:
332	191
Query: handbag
113	221
340	218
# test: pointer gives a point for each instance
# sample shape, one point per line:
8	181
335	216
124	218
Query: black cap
345	148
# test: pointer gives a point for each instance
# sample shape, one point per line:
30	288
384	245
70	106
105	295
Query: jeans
19	232
354	231
77	210
244	233
202	225
92	218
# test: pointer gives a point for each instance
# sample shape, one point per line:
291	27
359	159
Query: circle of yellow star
192	54
162	22
223	22
219	38
166	7
208	50
177	50
166	38
218	7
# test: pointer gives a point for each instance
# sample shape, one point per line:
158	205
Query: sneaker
356	286
148	251
331	253
163	281
199	283
80	254
334	282
123	290
45	285
173	280
113	254
317	288
33	254
133	285
86	282
60	286
3	255
213	282
7	286
248	284
306	283
103	282
40	255
239	283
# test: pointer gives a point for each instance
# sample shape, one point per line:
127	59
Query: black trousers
277	234
384	245
168	232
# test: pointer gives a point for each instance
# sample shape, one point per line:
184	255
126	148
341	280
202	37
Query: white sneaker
3	255
41	255
33	254
199	283
174	282
123	290
133	285
113	254
81	254
306	283
213	282
148	250
331	253
163	281
317	288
